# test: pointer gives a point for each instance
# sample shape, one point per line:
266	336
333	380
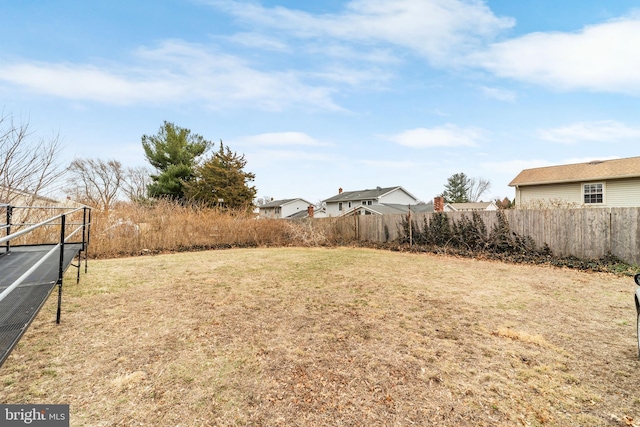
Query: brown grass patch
523	336
331	337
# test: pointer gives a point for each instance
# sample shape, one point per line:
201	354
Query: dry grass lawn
332	337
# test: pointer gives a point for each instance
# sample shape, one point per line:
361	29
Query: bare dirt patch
333	337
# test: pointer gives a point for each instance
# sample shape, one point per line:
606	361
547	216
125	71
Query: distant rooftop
371	194
282	202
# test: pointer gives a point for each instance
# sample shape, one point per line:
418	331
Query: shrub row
469	237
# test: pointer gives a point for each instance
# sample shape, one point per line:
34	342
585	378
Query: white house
345	202
470	207
286	208
608	183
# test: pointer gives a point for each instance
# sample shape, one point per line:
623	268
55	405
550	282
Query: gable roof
279	203
470	206
606	169
391	208
299	214
375	193
16	192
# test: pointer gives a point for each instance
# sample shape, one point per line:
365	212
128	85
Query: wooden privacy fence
584	233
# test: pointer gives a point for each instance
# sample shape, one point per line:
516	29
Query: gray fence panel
584	233
625	234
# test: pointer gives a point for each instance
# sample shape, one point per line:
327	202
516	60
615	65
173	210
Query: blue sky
328	94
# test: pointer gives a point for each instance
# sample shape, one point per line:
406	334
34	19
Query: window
339	206
593	193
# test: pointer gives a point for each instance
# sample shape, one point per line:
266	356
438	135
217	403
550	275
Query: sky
322	95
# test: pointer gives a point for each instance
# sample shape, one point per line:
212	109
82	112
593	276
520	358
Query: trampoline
28	276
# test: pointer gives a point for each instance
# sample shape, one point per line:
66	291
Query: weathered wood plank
585	233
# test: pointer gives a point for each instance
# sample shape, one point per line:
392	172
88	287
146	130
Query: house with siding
390	208
470	207
16	197
375	201
286	208
600	183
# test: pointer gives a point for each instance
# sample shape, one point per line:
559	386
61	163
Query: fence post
61	267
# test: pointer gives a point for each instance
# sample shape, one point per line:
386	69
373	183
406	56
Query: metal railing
65	236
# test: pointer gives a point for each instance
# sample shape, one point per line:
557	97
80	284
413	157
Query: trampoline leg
79	266
61	267
59	303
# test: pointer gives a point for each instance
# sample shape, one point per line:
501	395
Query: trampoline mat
21	306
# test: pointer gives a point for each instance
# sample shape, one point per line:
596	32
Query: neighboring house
608	183
286	208
16	197
369	202
390	208
437	205
472	206
311	212
26	205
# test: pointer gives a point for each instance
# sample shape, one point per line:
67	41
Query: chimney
438	204
340	190
310	211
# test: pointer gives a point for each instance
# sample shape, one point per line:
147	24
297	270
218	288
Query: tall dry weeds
166	226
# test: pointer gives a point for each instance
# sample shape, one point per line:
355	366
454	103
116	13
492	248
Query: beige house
16	197
607	183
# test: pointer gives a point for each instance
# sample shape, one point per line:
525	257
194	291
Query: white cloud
279	139
260	41
370	78
174	72
90	83
600	131
365	31
601	57
499	94
431	28
343	52
389	164
448	135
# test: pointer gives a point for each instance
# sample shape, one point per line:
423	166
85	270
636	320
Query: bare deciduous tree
96	182
462	189
28	165
263	200
135	182
477	188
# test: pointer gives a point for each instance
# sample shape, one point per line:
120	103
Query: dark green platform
20	307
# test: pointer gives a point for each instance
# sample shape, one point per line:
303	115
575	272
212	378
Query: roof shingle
606	169
360	194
